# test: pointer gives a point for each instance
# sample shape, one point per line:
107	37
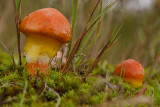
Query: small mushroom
131	71
45	30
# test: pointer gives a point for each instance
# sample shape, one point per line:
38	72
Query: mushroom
131	71
45	31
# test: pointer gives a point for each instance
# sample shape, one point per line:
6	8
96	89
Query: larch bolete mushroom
131	71
45	31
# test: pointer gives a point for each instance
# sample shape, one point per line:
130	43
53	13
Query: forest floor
101	88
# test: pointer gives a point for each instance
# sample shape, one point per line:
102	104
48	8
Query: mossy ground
17	89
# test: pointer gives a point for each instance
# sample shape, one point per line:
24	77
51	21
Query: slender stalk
98	28
17	10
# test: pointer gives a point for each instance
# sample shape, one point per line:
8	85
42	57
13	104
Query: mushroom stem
32	68
39	50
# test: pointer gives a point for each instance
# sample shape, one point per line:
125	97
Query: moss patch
100	87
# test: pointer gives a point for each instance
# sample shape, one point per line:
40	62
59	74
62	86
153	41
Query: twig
114	87
10	83
59	98
4	85
45	86
141	92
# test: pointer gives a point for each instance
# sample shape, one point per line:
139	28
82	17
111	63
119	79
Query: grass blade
105	49
86	40
18	4
98	28
99	16
78	43
87	49
74	17
25	87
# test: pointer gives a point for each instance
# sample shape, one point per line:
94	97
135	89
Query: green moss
97	99
156	93
5	58
130	91
3	68
13	76
72	90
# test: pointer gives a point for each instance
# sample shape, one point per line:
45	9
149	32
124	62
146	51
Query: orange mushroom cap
47	22
131	70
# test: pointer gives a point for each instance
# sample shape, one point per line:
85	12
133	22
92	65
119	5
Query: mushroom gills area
39	50
134	82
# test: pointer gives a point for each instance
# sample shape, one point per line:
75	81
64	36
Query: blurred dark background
140	35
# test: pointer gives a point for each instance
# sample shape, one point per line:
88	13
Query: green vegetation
17	89
88	78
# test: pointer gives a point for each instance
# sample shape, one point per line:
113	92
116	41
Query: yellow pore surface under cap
134	82
40	48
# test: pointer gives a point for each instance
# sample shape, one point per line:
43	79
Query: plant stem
19	50
18	20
